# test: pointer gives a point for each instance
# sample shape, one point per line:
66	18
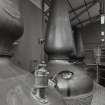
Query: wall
91	35
28	48
91	38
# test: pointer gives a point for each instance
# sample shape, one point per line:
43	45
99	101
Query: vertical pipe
79	53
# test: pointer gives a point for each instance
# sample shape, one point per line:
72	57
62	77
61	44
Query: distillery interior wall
28	48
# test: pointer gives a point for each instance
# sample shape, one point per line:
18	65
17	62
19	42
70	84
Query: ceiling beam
81	6
92	19
84	10
74	12
87	11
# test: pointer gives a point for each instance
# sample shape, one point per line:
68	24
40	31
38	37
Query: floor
99	95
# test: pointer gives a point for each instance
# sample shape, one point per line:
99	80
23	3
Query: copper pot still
42	92
71	79
17	85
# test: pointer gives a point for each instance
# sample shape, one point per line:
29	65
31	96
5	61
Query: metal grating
85	10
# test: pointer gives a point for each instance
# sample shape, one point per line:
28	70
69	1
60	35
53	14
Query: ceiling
81	12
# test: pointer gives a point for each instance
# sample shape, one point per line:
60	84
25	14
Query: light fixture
102	19
102	33
102	40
